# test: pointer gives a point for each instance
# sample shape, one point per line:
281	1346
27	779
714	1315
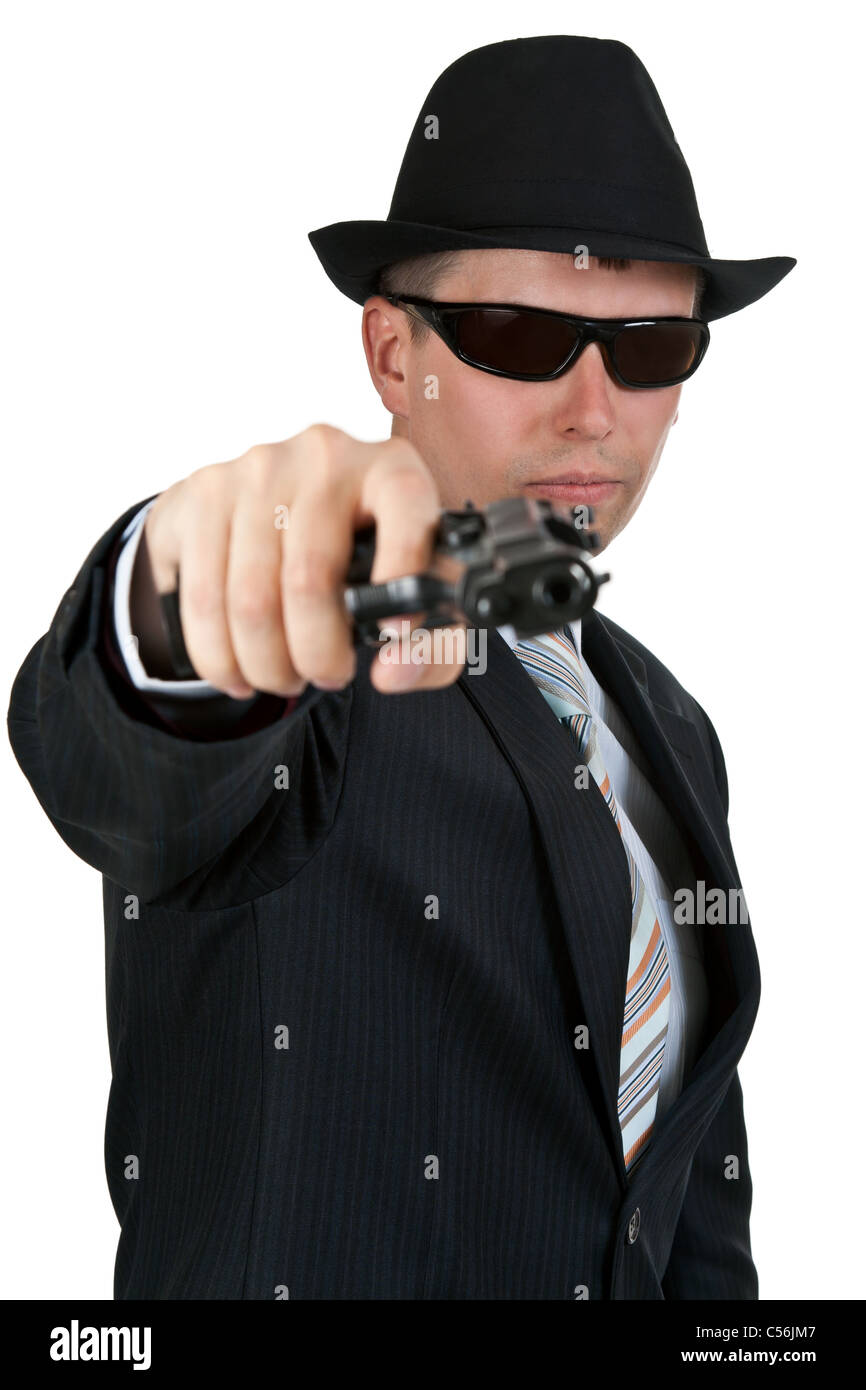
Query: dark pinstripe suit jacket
424	916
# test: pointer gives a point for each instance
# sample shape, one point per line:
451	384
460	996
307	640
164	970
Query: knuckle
202	599
207	483
252	600
260	467
411	477
321	435
310	573
322	453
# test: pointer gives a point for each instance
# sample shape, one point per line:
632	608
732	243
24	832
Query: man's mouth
575	487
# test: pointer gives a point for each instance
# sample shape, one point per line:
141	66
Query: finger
317	549
402	498
204	622
432	660
254	601
163	542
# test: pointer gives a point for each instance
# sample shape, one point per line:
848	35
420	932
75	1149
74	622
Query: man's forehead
518	276
517	260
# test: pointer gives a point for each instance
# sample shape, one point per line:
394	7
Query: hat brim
354	253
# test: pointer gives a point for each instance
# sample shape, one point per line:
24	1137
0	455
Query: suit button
634	1226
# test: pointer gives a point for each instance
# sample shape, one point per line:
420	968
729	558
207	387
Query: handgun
519	561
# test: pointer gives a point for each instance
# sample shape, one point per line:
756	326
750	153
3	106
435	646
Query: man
399	1003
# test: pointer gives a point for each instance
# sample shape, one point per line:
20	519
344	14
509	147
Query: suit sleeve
711	1254
149	792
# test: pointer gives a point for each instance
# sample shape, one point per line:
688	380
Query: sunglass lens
651	353
527	344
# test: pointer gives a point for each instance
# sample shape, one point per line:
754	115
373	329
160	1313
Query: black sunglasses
527	344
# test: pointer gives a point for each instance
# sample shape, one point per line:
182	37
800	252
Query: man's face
484	437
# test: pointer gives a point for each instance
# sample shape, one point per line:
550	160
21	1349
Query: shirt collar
507	631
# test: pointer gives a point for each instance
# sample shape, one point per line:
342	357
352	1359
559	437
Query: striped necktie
553	663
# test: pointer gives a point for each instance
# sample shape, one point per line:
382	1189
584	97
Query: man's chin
606	527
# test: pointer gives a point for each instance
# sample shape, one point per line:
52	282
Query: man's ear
676	417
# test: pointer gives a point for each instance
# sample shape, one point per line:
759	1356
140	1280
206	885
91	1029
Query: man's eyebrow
575	313
515	303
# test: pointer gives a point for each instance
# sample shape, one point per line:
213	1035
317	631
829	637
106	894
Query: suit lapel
591	889
673	746
668	739
676	754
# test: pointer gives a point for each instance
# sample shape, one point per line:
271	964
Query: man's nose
586	390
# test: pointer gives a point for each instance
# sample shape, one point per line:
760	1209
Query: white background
162	309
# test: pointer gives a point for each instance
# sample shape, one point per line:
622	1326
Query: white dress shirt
647	826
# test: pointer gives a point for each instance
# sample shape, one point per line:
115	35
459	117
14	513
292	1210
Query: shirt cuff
126	639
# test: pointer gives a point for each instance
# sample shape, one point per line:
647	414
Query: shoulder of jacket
662	685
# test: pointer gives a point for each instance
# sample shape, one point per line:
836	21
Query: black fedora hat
550	143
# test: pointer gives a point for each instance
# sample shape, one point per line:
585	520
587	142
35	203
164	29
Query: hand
261	603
